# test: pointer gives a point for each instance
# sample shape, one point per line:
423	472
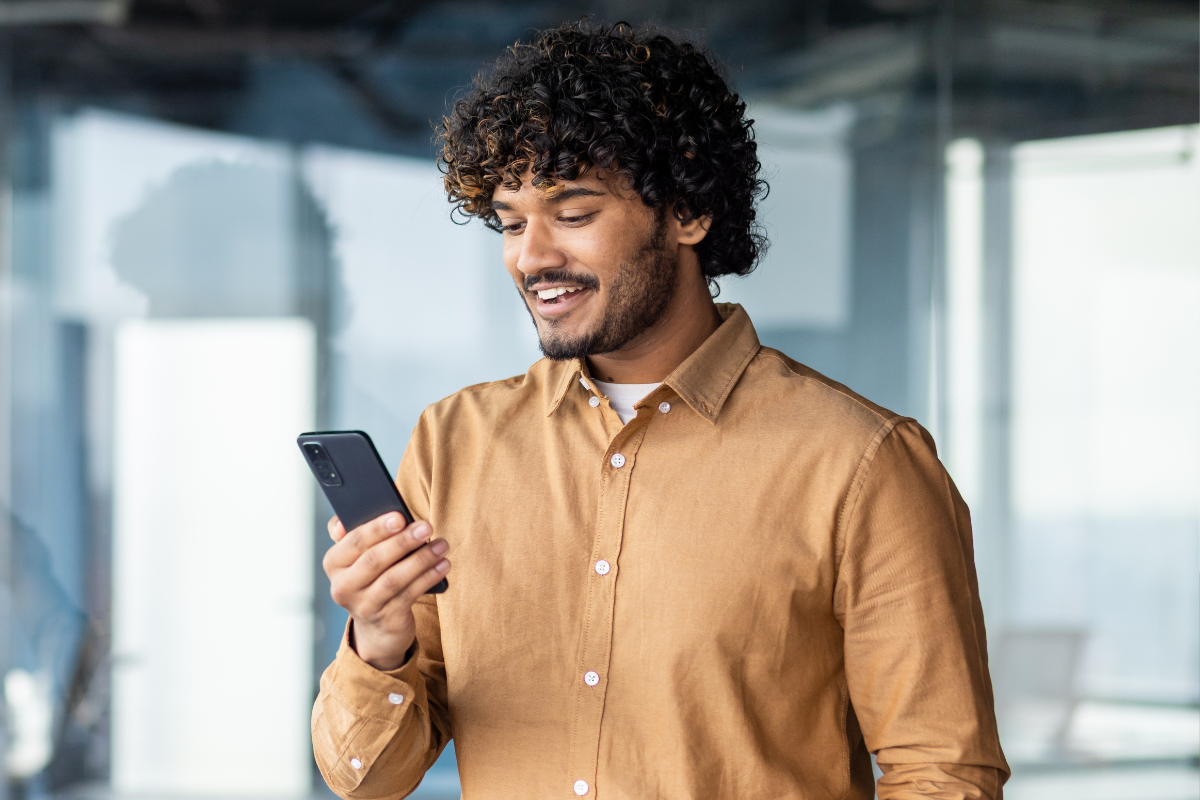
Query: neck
689	319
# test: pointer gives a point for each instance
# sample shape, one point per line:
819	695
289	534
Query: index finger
358	541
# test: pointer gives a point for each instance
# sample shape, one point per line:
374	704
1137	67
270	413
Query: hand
370	577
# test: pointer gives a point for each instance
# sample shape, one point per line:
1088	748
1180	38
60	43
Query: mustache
560	276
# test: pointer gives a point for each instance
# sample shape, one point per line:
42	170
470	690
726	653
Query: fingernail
421	531
440	547
442	566
394	522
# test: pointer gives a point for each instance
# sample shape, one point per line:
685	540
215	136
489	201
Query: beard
637	299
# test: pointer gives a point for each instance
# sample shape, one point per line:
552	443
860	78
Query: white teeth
548	294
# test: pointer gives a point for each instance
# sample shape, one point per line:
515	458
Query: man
686	566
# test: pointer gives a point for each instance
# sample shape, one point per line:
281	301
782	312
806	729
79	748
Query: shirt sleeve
375	733
915	646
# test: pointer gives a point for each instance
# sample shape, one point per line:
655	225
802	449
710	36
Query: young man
686	566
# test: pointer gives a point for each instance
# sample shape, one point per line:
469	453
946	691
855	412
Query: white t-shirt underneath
622	396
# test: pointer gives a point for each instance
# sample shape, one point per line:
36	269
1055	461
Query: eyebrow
564	195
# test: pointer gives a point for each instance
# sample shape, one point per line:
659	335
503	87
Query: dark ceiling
375	74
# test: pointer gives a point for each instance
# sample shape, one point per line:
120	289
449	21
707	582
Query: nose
538	250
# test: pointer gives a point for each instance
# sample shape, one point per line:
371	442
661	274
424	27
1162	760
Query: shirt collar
704	380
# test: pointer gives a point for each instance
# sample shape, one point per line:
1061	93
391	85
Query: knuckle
409	595
431	557
388	583
370	559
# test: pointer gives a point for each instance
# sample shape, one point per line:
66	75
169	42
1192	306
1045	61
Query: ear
692	231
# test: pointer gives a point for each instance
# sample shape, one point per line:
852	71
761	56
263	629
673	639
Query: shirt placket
593	667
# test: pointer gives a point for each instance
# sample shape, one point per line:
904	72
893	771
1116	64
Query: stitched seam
479	387
737	373
825	385
627	479
844	691
968	567
587	621
850	504
350	739
341	697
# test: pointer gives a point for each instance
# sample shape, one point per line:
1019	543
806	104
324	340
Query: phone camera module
322	466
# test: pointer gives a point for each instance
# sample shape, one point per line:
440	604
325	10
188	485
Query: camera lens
326	472
314	451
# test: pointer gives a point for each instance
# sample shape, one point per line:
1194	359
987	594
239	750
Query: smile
552	294
557	300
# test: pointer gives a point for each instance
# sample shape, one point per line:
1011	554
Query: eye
512	227
579	219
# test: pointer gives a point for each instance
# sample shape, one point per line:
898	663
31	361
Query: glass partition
223	231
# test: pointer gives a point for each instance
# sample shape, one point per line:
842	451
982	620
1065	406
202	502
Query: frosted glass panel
804	279
427	306
212	554
1106	441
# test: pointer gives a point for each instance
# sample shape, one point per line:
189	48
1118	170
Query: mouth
553	301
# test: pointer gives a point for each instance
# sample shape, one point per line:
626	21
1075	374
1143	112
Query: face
595	265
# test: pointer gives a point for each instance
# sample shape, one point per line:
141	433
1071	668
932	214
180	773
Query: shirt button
591	678
602	567
594	401
664	406
354	762
395	699
581	788
617	460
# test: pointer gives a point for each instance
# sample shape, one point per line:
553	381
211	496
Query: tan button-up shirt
737	595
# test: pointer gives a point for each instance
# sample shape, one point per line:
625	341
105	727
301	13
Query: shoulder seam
826	385
476	387
486	384
854	493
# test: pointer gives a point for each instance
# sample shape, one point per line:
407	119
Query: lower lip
565	303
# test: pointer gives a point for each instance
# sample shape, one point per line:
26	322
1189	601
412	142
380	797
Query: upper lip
541	287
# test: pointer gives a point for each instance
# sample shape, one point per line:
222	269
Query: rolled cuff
359	712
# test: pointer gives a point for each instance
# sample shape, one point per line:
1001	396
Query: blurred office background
221	224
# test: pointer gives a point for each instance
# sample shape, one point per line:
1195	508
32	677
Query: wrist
382	653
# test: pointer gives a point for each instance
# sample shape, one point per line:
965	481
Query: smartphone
354	479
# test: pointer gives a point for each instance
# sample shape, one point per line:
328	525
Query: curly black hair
642	103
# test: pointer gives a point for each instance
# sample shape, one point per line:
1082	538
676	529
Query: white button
602	567
354	762
581	788
617	460
591	678
594	401
395	699
664	406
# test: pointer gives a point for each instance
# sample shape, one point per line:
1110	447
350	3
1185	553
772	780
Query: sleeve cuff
359	711
372	692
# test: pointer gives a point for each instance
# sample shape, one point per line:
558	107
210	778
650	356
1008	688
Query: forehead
588	185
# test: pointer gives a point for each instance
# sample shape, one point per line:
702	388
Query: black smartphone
354	479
